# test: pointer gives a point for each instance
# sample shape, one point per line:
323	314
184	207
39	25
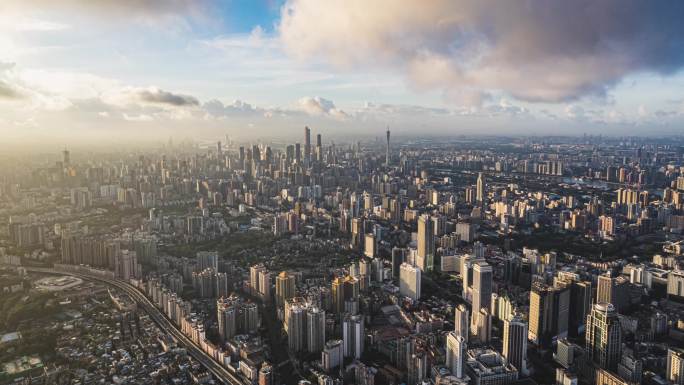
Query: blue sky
241	16
266	68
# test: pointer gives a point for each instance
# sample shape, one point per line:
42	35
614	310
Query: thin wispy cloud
33	25
157	96
8	92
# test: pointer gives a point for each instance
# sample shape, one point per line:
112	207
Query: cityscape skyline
440	262
324	192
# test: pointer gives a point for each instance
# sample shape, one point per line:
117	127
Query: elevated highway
218	370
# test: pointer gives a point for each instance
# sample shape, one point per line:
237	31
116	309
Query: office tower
146	248
222	289
480	194
205	283
126	265
370	245
482	288
195	224
515	342
409	281
363	374
337	290
606	226
494	306
387	150
504	307
333	355
355	209
319	148
355	269
580	301
81	198
565	377
256	154
175	283
627	196
455	353
439	223
549	312
351	288
603	336
479	250
397	260
235	316
207	260
466	273
298	153
675	366
377	270
358	232
630	368
260	282
465	231
294	323
483	327
307	145
208	283
368	202
580	306
315	329
449	263
395	209
289	156
565	353
344	290
561	310
250	317
241	155
613	290
675	284
254	277
351	306
658	324
227	315
469	195
462	321
285	287
66	159
426	242
417	367
265	285
604	377
353	335
405	347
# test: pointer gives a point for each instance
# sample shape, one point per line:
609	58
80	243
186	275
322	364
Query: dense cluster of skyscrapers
421	262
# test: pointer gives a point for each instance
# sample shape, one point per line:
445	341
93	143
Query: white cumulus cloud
318	106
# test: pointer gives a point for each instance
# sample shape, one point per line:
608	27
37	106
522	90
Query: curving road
160	318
